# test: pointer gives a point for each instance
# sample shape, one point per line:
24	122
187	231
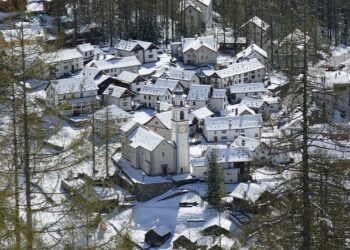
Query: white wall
231	135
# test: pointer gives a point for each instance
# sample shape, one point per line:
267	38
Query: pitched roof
85	47
253	47
127	45
247	88
121	62
239	108
65	55
248	191
237	122
115	91
114	112
258	22
252	102
179	74
202	113
199	92
74	85
218	94
171	84
154	90
198	42
161	230
127	77
145	138
165	118
250	143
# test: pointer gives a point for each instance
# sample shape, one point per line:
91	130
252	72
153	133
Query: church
147	150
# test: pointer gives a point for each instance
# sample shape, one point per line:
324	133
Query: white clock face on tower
183	128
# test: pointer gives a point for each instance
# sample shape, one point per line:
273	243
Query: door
215	139
164	169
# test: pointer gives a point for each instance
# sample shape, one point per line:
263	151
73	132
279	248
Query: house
150	95
246	90
87	50
253	51
102	80
162	125
245	195
228	42
237	110
65	62
77	95
199	115
198	96
197	51
182	242
115	66
145	52
290	49
32	35
148	151
121	97
111	117
170	84
242	72
235	162
226	129
152	153
198	16
132	81
157	235
255	30
218	100
186	77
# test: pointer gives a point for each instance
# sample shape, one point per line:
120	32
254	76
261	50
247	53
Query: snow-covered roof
127	77
35	7
247	88
237	122
161	230
154	90
198	42
30	33
250	143
218	94
271	100
237	68
202	113
258	22
121	62
65	55
252	48
145	138
171	84
132	45
336	77
85	47
178	74
127	45
74	85
165	118
89	71
252	102
248	191
238	109
114	112
296	38
199	92
115	91
205	2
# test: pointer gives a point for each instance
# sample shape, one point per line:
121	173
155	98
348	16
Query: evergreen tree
215	179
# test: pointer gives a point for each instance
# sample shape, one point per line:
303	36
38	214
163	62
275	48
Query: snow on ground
65	136
340	50
167	212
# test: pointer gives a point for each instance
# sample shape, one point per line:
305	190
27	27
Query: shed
157	235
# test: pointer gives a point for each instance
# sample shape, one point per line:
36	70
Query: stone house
121	97
151	95
186	77
253	51
246	90
87	50
114	66
145	52
132	81
255	30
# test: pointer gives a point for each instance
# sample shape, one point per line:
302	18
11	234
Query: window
81	95
65	67
125	104
150	56
256	135
182	115
138	89
145	97
163	154
223	137
223	132
242	130
149	97
156	122
194	103
157	98
125	119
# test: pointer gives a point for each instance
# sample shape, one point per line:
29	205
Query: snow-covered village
174	124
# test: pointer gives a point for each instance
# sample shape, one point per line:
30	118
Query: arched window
182	115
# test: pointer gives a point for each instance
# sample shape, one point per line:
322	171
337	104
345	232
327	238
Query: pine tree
215	179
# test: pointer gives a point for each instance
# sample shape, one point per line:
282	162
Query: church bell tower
180	132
